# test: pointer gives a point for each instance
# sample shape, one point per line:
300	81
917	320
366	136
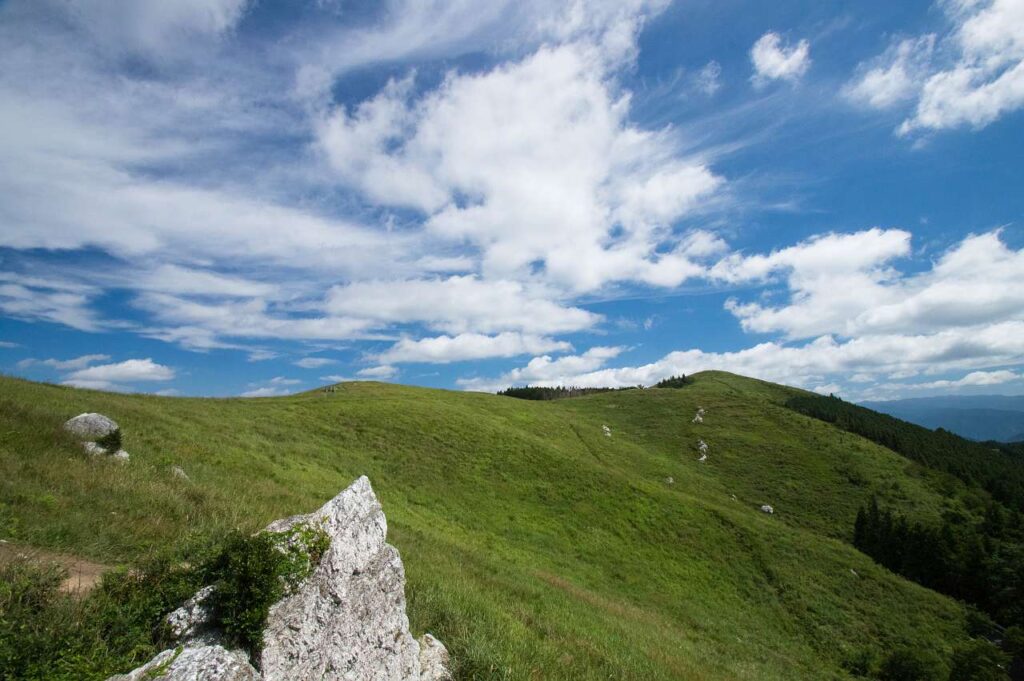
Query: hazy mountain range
979	417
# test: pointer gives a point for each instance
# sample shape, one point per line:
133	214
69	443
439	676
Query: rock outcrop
206	662
90	426
346	620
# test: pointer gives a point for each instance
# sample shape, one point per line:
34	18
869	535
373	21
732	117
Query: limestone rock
434	660
213	663
190	624
93	449
345	621
120	455
767	509
179	472
90	426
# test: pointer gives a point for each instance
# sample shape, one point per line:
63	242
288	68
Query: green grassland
534	545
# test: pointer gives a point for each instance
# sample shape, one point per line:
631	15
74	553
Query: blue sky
227	197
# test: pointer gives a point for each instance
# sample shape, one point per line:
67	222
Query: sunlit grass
535	546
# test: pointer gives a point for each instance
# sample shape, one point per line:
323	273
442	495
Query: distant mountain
979	417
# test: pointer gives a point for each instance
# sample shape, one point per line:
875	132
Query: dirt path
83	575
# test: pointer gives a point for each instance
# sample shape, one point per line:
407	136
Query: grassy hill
535	546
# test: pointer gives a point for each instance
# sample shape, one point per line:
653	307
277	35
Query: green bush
251	573
46	633
979	660
111	441
911	664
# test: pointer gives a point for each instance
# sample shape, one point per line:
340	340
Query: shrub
46	633
111	441
251	573
979	660
911	664
673	382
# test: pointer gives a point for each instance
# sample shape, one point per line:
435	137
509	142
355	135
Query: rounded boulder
90	426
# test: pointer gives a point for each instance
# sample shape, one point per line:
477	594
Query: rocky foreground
346	620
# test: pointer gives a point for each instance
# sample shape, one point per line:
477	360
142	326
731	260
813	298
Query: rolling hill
535	545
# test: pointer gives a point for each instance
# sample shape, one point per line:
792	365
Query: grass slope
535	546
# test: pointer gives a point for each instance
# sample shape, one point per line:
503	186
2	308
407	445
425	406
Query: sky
258	197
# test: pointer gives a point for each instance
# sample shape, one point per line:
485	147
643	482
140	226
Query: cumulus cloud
114	376
774	60
843	284
546	370
469	346
975	378
810	364
969	78
535	163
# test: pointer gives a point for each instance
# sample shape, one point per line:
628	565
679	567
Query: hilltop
534	543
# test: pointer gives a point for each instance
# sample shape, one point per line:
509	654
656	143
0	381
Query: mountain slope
534	544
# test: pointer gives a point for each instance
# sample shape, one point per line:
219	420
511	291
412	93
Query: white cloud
9	344
65	364
279	385
283	380
708	78
197	324
314	362
153	24
190	281
458	304
975	378
534	163
843	284
773	60
547	371
382	372
896	76
264	392
104	375
810	364
975	76
49	303
469	346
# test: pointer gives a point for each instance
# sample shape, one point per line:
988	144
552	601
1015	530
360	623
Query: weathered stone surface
767	509
120	455
345	621
179	472
208	663
190	624
434	660
93	448
90	426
